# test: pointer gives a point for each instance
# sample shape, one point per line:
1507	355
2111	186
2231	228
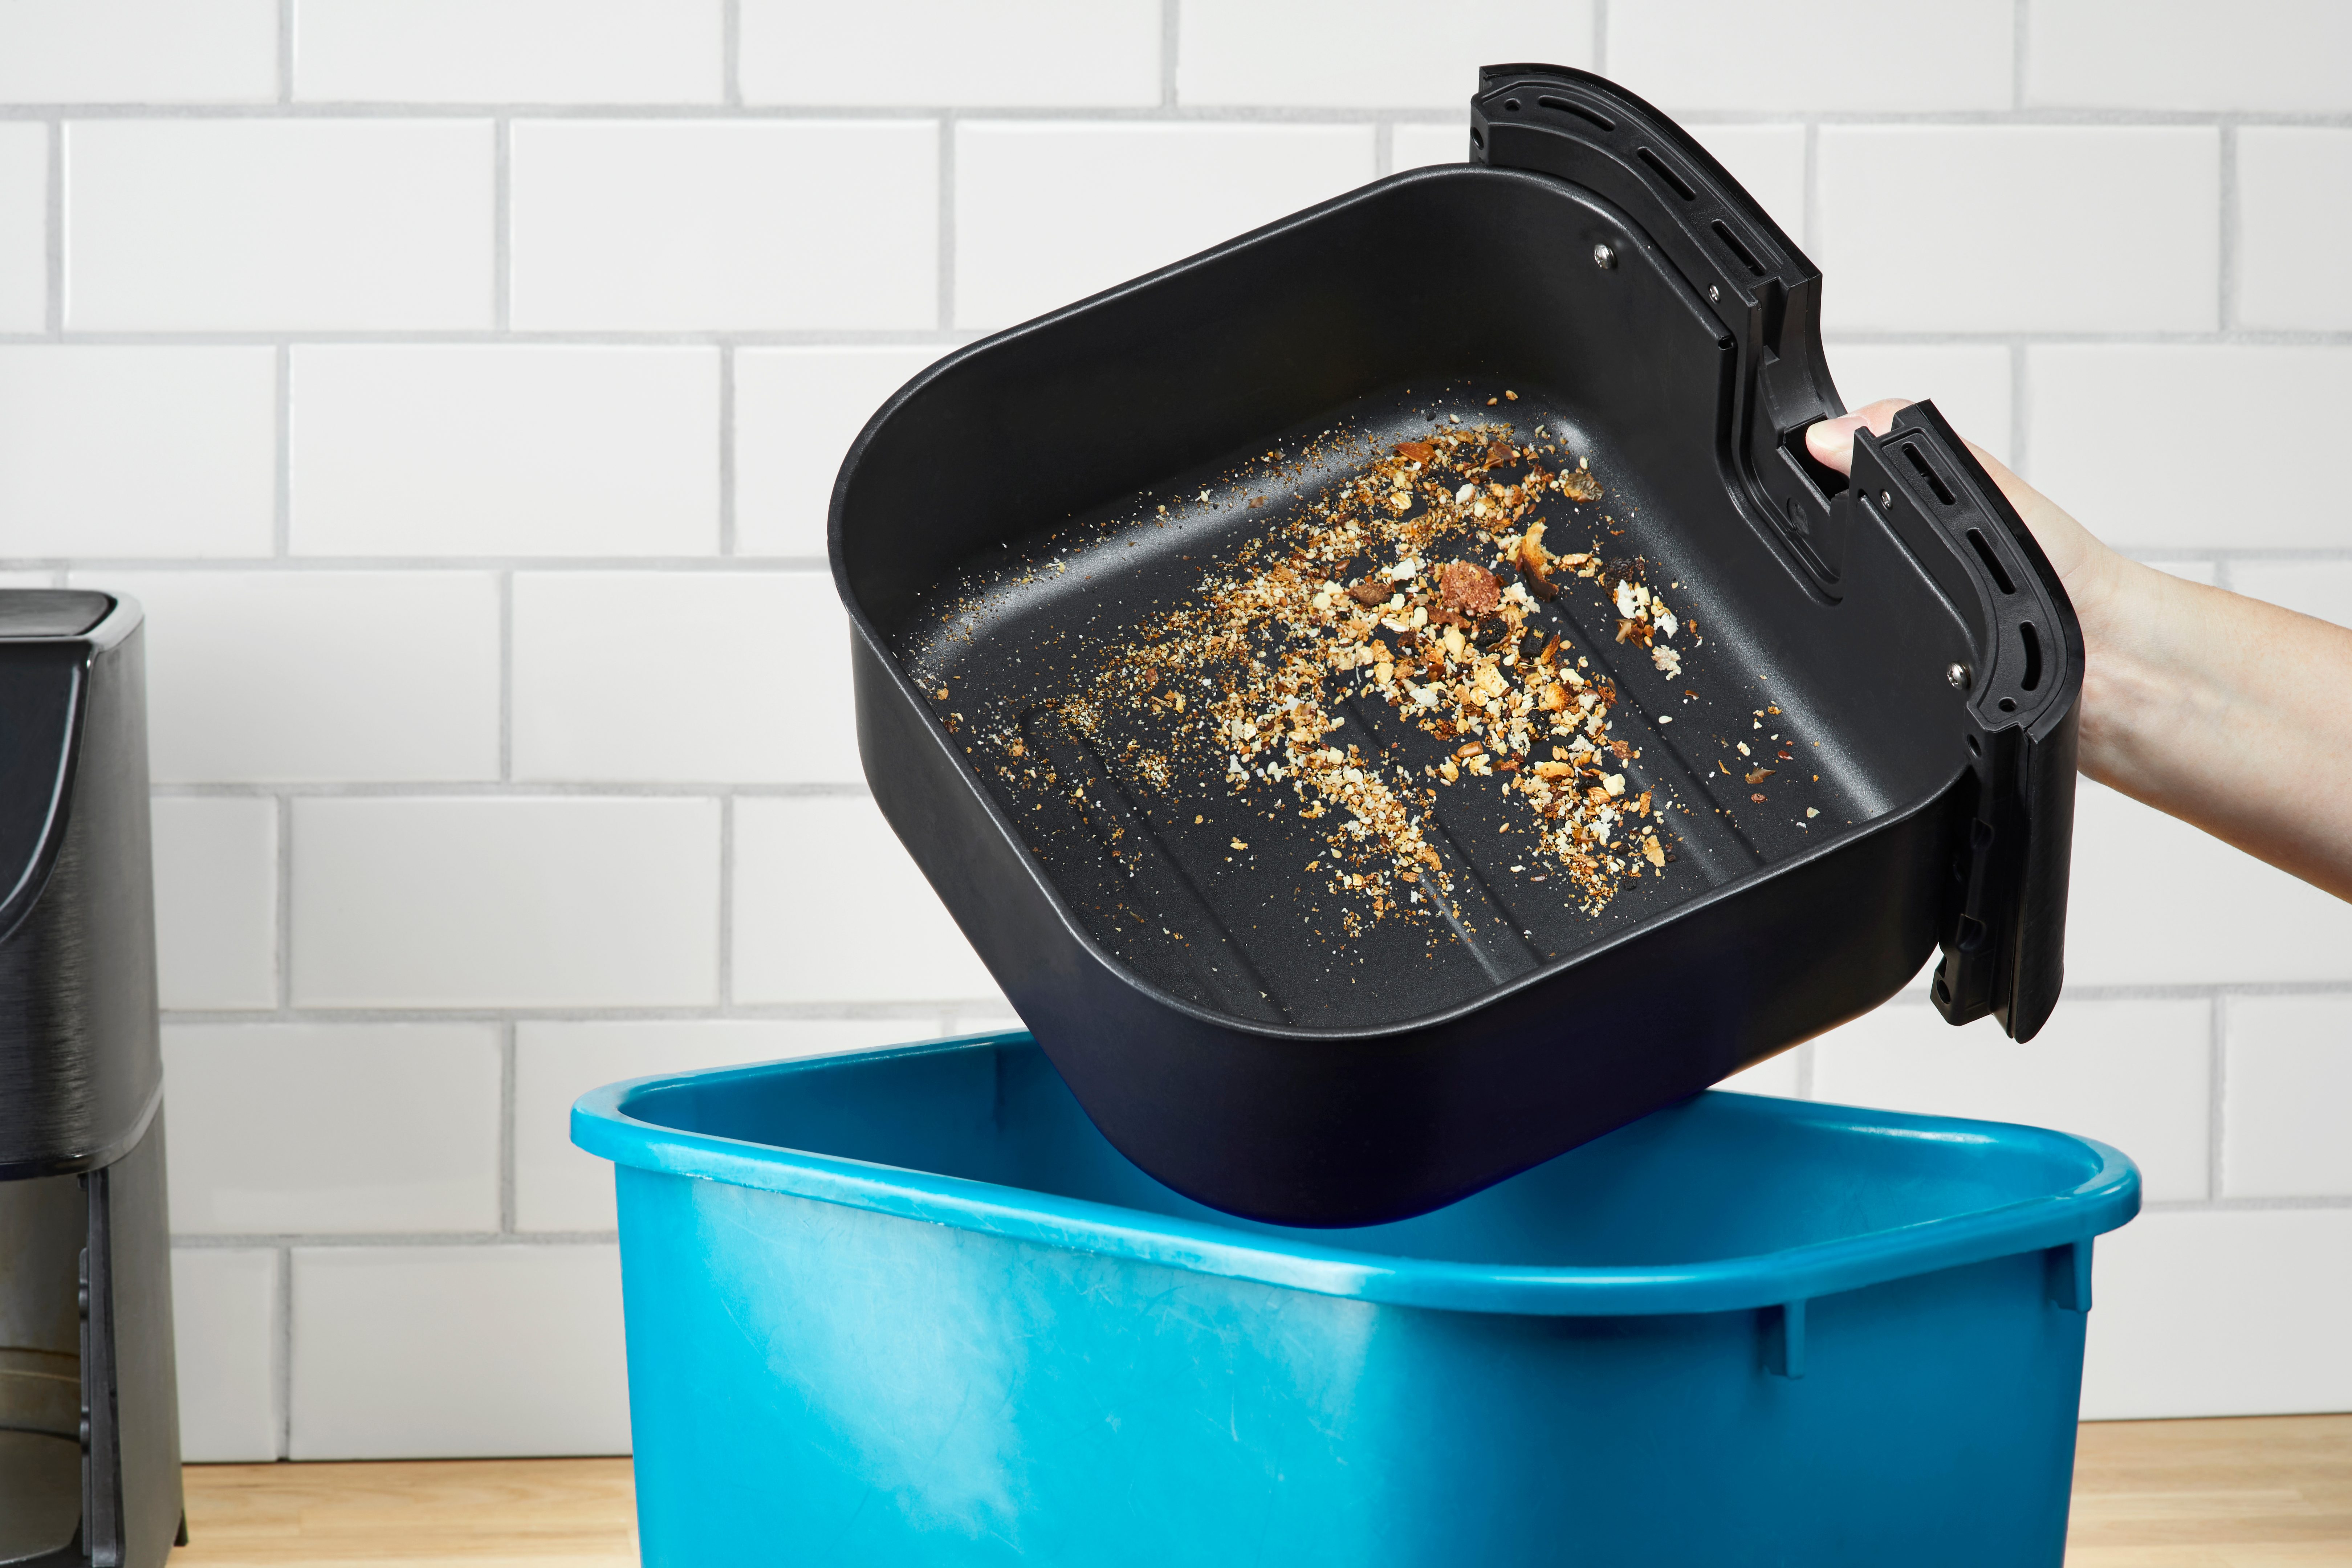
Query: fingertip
1830	441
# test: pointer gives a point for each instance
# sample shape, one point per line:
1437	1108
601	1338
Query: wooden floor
2267	1492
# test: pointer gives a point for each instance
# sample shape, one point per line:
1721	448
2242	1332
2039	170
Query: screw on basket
1603	258
1713	292
1959	676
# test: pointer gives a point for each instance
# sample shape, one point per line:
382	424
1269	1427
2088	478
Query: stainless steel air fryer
90	1424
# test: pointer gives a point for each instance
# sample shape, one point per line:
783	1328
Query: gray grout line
282	1352
2217	1094
913	1010
727	450
731	53
227	1240
947	337
1600	37
726	902
945	223
281	501
2225	273
53	243
506	677
494	789
2246	1206
1244	114
282	809
1383	150
503	224
506	1128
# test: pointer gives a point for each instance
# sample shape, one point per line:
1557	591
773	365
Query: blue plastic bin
909	1307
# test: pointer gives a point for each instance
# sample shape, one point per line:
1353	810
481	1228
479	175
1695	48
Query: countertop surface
2258	1492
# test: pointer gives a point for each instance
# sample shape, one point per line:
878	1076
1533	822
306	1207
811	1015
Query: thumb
1830	441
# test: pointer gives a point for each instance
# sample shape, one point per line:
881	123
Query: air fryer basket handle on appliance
2004	925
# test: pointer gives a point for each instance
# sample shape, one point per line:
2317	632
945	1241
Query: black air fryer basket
1901	634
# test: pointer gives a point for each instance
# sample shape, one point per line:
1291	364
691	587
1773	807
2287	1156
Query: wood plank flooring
2263	1492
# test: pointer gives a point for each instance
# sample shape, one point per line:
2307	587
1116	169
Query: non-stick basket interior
1014	528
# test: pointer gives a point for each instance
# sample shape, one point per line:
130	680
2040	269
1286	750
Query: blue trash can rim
2106	1198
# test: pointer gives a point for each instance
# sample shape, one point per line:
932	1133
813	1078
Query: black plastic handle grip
2005	927
2004	934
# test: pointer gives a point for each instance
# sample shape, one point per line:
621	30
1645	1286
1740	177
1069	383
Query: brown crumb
1370	591
1579	485
1470	590
1416	451
1757	798
1759	774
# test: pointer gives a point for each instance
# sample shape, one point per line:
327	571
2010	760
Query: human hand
2089	569
2225	711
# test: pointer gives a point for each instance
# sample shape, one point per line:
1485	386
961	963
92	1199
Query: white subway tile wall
334	1129
225	1302
461	384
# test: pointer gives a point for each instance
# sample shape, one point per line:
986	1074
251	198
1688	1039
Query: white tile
1774	1075
515	901
224	1337
1968	382
457	1351
559	1187
1010	54
318	676
505	450
2182	54
1919	227
2286	1098
1154	193
216	901
138	52
2221	1314
2294	227
2321	588
137	451
508	51
332	1129
278	225
1781	54
2135	1075
1418	146
796	412
2154	901
828	908
24	228
1769	160
1371	54
2110	426
680	676
748	226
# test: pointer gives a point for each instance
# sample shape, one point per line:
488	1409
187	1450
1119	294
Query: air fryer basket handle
1587	130
2005	929
2005	919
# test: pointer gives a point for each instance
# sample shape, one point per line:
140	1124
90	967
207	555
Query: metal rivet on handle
1958	675
1713	292
1887	499
1603	258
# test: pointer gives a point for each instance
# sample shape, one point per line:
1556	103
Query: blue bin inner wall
1721	1175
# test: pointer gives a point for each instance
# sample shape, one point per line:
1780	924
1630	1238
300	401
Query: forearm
2227	712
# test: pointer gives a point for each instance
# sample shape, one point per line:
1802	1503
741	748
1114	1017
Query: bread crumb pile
1418	581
